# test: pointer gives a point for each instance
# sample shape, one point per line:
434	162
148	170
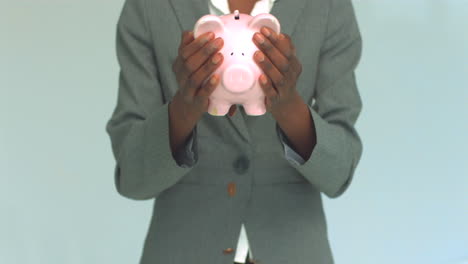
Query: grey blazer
239	172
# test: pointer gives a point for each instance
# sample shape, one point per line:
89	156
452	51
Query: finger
197	62
287	48
202	55
291	44
270	50
187	37
188	50
270	34
193	46
268	90
200	76
232	110
285	45
206	90
270	70
267	87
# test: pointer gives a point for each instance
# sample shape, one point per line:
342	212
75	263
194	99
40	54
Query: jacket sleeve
331	165
139	125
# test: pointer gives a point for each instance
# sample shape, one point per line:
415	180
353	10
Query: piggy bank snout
238	78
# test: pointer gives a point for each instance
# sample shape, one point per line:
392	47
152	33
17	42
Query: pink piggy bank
239	72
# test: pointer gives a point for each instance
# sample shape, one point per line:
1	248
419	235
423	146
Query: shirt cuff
289	152
186	157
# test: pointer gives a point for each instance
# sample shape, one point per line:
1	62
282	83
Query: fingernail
259	38
260	56
218	42
216	58
263	79
265	32
213	80
207	38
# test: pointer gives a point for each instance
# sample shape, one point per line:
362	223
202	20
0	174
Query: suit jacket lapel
286	11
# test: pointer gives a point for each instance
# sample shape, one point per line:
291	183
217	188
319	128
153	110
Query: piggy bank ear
266	20
208	23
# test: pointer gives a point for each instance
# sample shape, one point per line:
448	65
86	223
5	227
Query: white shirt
221	7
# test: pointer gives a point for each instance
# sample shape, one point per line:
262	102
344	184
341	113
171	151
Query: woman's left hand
281	68
277	58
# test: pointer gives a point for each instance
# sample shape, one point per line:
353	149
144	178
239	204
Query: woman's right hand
192	67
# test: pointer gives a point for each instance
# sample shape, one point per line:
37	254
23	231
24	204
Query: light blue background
58	86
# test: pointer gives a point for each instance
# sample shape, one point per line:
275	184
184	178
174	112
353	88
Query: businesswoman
236	188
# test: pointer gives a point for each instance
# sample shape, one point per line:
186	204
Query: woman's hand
196	60
277	58
232	110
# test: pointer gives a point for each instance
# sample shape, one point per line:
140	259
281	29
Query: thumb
232	110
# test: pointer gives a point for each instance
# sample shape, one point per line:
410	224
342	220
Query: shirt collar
259	7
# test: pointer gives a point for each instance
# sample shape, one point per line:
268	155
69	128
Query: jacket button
241	164
228	251
231	189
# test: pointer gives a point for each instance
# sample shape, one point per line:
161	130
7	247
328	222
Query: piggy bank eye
242	53
232	53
